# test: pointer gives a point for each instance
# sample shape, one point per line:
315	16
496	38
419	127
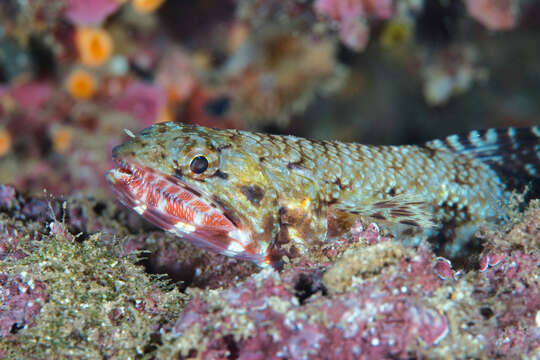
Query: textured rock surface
83	295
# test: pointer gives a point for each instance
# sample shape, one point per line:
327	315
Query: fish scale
278	196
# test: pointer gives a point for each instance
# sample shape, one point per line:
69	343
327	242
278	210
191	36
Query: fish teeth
198	218
240	235
235	248
140	209
183	227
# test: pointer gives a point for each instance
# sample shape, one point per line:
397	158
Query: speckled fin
402	209
510	151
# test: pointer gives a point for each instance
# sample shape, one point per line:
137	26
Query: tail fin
514	153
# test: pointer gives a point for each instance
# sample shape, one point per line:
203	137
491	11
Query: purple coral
494	14
84	12
142	101
33	95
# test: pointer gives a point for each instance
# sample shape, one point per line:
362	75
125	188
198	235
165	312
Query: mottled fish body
258	197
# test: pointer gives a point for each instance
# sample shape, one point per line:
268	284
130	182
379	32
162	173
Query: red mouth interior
163	201
174	206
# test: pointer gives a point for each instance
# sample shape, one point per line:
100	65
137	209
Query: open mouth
177	207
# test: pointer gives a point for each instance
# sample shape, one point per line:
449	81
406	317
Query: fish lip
131	167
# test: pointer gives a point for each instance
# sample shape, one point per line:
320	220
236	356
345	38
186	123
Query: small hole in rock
306	286
15	328
232	346
486	312
99	208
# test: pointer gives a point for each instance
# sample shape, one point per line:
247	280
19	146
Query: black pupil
199	164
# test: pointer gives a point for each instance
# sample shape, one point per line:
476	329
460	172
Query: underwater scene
269	179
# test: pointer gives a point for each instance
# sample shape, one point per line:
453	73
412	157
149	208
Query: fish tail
514	153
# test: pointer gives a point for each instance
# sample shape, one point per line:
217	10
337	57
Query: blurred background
75	73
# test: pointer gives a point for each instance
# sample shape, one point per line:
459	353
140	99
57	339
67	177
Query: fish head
201	184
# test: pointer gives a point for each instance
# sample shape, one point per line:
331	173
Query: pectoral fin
402	209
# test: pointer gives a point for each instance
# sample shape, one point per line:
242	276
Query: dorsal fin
512	152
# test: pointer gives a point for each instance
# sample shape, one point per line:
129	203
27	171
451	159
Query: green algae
100	305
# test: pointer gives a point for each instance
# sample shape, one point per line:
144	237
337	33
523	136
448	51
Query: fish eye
199	164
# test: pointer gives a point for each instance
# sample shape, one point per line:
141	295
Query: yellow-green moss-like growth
100	305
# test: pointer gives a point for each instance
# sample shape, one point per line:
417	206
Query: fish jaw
179	208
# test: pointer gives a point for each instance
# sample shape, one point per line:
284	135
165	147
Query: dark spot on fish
338	182
400	213
147	130
294	216
253	193
221	174
178	173
408	232
384	204
333	201
268	224
295	165
219	149
392	192
282	236
226	210
262	158
231	218
409	222
378	216
162	155
192	190
235	137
